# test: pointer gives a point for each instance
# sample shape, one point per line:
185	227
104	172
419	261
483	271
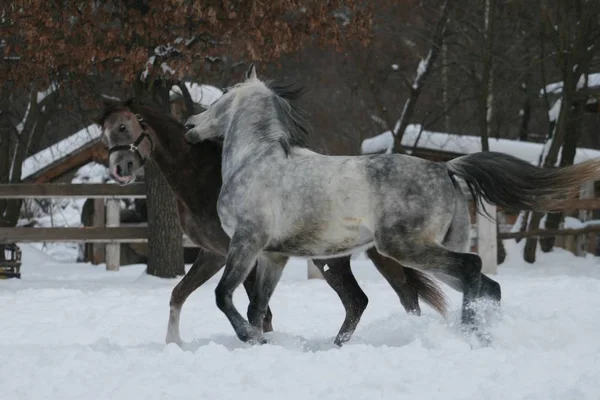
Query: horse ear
251	73
107	102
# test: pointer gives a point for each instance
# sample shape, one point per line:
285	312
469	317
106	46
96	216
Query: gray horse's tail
429	291
514	184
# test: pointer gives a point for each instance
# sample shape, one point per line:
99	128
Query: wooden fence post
99	220
113	250
487	245
312	270
586	192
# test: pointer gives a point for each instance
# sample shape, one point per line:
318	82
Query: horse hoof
267	326
258	341
252	336
468	317
176	340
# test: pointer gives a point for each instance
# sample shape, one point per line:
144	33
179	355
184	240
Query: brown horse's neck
192	171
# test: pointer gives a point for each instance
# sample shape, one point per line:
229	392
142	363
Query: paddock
76	331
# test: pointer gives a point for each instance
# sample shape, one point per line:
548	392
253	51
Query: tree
423	71
573	31
20	129
146	46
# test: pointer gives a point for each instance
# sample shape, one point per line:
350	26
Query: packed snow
460	144
75	331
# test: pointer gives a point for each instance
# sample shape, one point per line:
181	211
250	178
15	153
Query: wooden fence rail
107	230
84	190
87	234
110	233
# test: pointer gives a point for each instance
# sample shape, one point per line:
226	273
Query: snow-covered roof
63	148
556	87
204	95
458	144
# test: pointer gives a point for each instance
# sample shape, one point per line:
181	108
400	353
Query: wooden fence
111	233
107	231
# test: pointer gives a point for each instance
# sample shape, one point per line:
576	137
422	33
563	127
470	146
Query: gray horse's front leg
244	248
268	273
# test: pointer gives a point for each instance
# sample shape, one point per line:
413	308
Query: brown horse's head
128	139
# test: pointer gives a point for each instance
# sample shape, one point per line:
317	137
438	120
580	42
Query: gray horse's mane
293	122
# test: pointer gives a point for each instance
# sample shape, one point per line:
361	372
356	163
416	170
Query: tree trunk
423	72
165	238
526	87
485	97
567	158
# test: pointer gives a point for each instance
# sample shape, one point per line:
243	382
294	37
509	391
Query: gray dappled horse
136	131
280	199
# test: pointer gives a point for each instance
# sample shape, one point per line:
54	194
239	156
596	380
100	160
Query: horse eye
122	128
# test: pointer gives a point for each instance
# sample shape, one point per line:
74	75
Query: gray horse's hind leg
340	277
268	273
244	248
205	267
458	239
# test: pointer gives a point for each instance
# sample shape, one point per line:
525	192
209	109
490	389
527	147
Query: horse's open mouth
121	180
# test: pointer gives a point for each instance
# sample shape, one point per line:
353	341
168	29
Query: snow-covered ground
75	331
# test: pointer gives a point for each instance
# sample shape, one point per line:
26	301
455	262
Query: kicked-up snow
75	331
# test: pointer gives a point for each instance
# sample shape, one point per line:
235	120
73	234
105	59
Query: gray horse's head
253	105
211	123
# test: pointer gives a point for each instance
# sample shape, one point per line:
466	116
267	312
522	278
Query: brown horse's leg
341	279
249	284
206	266
394	274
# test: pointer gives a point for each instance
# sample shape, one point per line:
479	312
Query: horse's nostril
189	126
118	170
129	167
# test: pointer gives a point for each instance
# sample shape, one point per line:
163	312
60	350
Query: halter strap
134	147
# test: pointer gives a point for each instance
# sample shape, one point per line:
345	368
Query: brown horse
135	131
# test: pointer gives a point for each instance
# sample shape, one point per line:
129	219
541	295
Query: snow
554	111
556	87
573	223
163	50
167	68
459	144
63	212
42	95
21	125
73	331
42	159
424	65
149	65
204	95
